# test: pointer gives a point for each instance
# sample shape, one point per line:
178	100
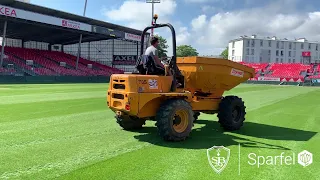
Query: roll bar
173	62
159	26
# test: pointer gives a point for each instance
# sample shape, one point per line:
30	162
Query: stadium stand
258	67
48	63
39	41
282	70
293	70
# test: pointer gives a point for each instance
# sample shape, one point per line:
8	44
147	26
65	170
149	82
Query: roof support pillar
137	49
3	42
22	43
79	50
112	51
79	47
89	45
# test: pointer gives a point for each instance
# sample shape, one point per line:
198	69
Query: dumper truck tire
231	113
174	120
130	122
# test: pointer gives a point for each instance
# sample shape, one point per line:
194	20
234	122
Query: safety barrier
52	79
313	82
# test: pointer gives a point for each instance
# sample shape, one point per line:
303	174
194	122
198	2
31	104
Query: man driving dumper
153	52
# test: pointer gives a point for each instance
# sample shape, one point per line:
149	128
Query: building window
277	52
294	61
290	45
289	60
302	46
248	43
277	60
261	43
260	59
252	43
281	60
269	52
294	54
309	46
232	52
269	42
289	54
233	44
252	51
281	53
247	51
294	45
316	47
282	45
278	44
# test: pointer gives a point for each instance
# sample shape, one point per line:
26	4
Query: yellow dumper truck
138	97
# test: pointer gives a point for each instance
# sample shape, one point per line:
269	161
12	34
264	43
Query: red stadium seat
280	70
50	63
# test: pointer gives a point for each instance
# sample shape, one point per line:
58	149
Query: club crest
218	157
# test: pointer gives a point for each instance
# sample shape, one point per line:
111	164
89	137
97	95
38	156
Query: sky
207	25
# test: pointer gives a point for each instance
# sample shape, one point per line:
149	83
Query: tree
224	53
186	50
162	47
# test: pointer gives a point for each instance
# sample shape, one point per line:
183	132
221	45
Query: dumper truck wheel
130	122
231	113
174	120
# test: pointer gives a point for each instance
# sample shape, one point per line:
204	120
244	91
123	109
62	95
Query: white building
272	50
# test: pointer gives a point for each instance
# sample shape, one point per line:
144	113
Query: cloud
137	14
203	1
199	22
197	1
183	36
211	9
212	34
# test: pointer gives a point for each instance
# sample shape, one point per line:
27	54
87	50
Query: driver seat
146	65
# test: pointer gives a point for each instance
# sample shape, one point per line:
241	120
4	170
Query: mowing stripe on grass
50	97
79	138
28	124
70	164
25	111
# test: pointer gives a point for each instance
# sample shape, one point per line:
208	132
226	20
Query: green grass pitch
66	131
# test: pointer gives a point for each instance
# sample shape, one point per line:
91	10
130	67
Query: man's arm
156	58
